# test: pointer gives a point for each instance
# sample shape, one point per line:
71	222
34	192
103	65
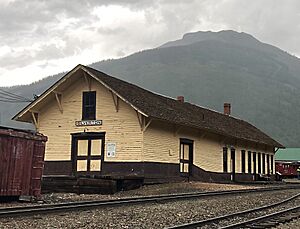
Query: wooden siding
121	127
161	144
158	143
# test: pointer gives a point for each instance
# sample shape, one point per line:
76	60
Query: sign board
111	149
88	123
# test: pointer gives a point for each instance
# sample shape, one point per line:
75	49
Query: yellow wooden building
98	125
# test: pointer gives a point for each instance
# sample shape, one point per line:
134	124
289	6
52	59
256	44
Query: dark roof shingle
171	110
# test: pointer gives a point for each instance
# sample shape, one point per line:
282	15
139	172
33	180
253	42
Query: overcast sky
40	37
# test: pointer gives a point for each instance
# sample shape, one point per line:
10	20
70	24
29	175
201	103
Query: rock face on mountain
261	81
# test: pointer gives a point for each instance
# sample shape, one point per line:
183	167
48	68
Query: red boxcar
287	169
21	162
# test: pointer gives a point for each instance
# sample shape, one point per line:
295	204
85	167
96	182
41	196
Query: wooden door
186	157
254	163
232	164
88	153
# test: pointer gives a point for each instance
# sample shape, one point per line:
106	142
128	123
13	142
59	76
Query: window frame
85	113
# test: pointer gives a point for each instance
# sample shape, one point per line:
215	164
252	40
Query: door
268	164
254	163
87	153
232	164
186	157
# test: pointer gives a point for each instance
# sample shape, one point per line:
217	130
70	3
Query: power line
12	95
11	101
6	96
12	98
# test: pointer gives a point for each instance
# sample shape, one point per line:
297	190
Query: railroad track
269	220
83	205
264	221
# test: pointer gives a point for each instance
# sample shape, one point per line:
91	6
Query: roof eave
115	92
278	145
18	116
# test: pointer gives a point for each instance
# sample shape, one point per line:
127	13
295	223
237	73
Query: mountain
261	81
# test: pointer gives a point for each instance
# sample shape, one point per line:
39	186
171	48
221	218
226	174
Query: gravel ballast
158	189
294	224
154	215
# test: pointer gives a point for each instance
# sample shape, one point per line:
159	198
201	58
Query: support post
146	124
35	118
223	140
176	130
141	120
202	135
87	80
58	97
115	100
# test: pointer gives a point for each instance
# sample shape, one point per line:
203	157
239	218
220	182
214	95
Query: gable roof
288	154
170	110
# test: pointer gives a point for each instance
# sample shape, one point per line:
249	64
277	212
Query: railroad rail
83	205
269	220
259	222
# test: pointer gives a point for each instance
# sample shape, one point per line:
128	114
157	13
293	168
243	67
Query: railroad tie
255	226
267	224
275	222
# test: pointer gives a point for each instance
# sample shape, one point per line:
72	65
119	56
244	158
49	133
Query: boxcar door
186	157
87	153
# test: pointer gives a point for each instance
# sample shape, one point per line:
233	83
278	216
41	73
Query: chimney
180	98
227	108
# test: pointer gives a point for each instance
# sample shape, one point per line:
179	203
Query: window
225	160
89	105
249	161
243	161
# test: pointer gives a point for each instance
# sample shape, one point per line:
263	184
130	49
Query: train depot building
102	127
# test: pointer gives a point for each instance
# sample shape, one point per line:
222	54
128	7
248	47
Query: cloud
40	37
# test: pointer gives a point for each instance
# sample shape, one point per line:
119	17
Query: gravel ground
294	224
155	215
291	180
181	187
269	210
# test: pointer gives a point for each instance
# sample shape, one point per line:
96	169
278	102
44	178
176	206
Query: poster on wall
111	149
